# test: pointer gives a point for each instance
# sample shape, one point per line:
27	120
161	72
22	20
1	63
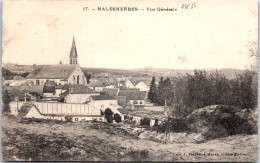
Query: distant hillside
19	69
117	73
105	72
6	73
228	72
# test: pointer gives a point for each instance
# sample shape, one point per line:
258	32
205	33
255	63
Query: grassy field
86	141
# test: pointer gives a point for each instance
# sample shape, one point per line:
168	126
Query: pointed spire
73	50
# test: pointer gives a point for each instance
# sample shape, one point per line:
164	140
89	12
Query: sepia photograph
118	80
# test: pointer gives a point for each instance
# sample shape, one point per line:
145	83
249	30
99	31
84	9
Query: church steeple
73	53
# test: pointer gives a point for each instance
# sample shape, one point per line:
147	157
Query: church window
37	82
74	79
78	79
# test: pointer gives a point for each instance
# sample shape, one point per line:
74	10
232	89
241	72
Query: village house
112	82
129	84
142	86
110	92
134	98
121	100
78	94
49	93
96	85
99	84
103	102
60	89
23	93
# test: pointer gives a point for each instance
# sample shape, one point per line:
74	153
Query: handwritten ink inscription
188	6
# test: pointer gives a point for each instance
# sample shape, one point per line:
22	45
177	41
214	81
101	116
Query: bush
117	118
138	155
94	120
145	122
109	115
6	97
179	125
217	131
219	121
156	122
68	118
126	117
174	125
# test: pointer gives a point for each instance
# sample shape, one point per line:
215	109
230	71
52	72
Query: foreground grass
86	141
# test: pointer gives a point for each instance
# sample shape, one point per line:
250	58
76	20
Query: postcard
117	80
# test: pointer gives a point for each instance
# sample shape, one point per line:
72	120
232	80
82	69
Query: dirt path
103	139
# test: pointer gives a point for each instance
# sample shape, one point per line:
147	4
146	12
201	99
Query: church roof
51	72
73	50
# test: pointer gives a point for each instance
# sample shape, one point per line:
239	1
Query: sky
214	34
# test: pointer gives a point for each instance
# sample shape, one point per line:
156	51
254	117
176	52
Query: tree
88	78
165	92
145	121
253	50
68	118
24	75
34	65
6	101
117	118
109	115
160	98
246	94
152	96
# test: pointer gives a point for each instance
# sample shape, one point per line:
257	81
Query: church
61	73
